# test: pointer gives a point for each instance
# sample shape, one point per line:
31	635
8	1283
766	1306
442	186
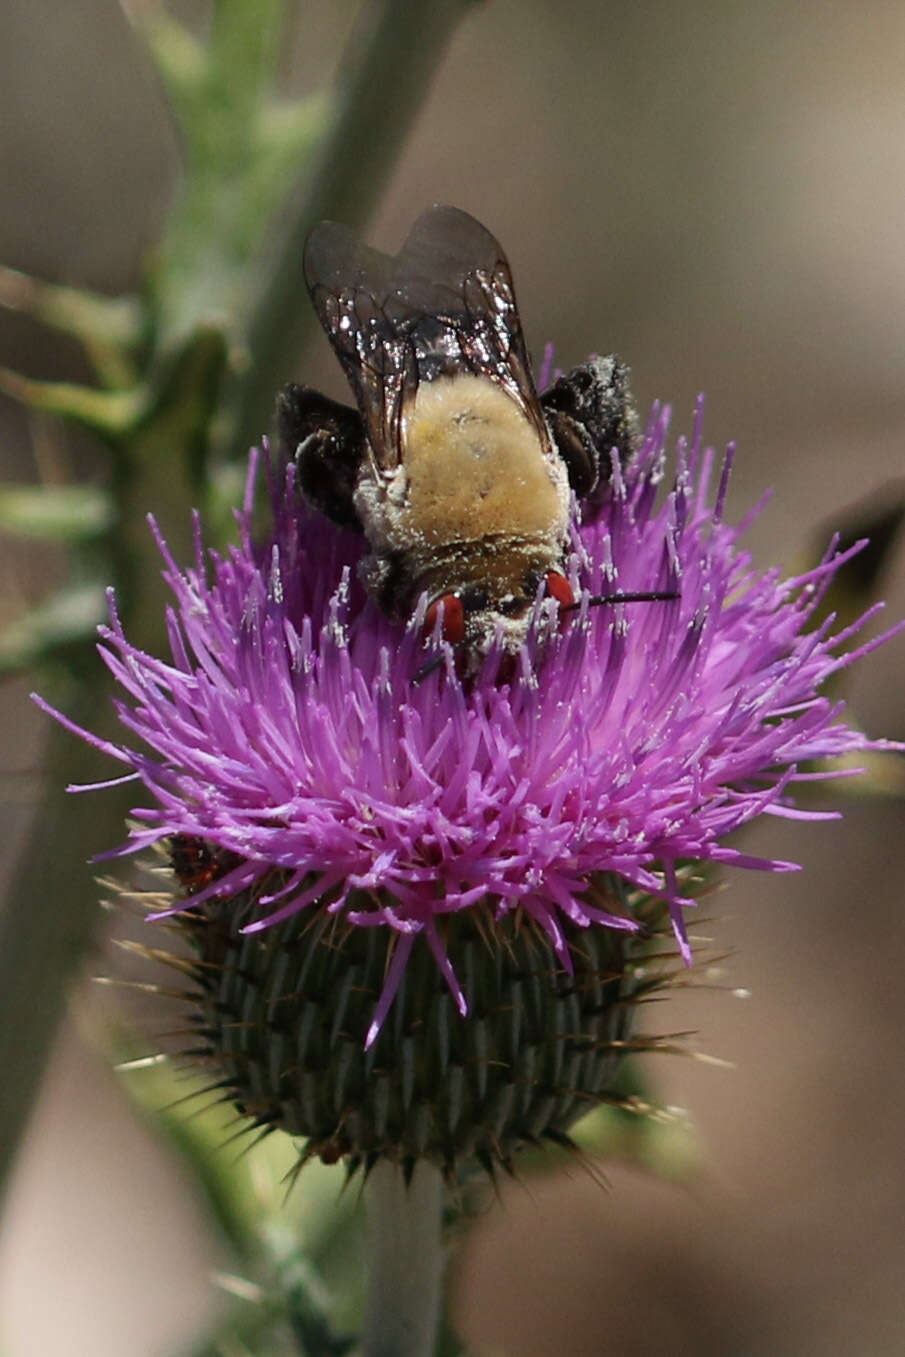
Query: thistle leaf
237	154
109	414
180	413
179	58
108	328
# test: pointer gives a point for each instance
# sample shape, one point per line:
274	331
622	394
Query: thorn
292	1177
143	987
184	965
485	1159
253	1144
198	1093
239	1287
352	1165
372	1159
144	1062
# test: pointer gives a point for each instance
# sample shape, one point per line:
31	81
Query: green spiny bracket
284	1015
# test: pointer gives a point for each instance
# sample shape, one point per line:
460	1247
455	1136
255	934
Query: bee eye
558	587
453	624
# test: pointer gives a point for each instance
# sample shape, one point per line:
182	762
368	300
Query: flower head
295	734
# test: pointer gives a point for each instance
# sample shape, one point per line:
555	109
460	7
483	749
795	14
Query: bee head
470	616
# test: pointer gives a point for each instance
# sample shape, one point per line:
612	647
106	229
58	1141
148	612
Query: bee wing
350	285
444	305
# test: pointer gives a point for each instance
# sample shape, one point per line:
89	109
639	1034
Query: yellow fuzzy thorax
475	466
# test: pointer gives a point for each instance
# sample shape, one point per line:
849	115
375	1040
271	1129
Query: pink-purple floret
288	726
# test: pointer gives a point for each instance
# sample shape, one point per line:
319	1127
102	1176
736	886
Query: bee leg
385	577
327	441
590	412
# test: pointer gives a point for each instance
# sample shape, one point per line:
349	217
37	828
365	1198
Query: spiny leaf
278	1244
108	328
236	159
179	57
55	513
110	414
289	128
244	50
180	414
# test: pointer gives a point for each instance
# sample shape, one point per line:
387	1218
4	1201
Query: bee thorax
477	502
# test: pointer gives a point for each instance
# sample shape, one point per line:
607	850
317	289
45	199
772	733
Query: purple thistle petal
76	787
401	952
105	746
439	950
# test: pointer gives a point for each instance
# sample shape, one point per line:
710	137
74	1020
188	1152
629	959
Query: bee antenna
427	669
646	596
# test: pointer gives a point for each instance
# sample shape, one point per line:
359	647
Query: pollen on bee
476	466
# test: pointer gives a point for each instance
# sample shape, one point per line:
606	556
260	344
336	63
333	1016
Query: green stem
406	1261
391	60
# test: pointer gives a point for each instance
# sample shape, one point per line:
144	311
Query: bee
458	473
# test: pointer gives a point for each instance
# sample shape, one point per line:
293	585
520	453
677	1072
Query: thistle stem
393	54
405	1252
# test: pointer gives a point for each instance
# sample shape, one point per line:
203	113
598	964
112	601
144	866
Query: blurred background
715	191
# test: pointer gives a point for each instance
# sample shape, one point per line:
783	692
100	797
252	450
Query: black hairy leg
327	442
590	412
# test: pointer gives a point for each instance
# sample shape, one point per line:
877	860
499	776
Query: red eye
558	587
453	625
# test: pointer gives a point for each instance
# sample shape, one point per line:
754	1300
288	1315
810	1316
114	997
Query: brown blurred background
716	191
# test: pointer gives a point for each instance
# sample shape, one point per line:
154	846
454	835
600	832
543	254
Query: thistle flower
360	847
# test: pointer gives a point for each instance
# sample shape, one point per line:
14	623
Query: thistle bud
287	1018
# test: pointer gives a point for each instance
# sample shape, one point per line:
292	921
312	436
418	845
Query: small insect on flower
197	864
457	472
